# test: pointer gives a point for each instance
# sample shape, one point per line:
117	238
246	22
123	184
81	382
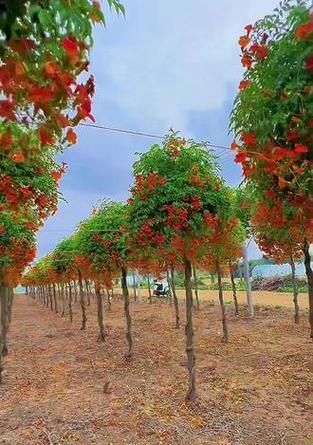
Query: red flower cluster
144	186
251	52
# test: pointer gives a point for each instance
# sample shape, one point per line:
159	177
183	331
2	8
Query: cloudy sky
170	63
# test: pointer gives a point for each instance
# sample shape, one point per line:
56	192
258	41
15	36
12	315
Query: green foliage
272	116
178	197
62	257
99	238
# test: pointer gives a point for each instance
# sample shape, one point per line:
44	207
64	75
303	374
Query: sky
169	63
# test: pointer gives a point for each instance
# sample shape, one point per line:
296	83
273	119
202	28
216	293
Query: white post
246	272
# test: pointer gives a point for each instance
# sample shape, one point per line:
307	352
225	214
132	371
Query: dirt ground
256	390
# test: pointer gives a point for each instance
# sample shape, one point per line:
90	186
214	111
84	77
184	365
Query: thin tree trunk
169	285
50	297
309	274
246	270
45	300
127	313
134	285
87	292
138	287
220	296
149	289
177	319
108	298
75	291
70	302
55	298
2	325
295	291
82	301
233	285
101	337
10	304
4	320
196	288
63	299
191	359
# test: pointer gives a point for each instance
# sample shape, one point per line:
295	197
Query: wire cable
140	133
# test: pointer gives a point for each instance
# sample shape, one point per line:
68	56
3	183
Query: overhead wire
144	134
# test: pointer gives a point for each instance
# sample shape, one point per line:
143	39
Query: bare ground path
257	390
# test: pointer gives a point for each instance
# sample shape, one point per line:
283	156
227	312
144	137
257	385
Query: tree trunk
6	302
50	297
191	359
196	288
101	337
55	298
220	296
4	320
2	325
138	287
87	292
75	291
149	290
63	299
44	295
295	291
177	319
309	274
70	302
233	285
134	285
82	301
127	313
10	303
108	298
169	286
246	271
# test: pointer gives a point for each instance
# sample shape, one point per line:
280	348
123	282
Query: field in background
260	298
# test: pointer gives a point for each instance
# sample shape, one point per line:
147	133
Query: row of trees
180	214
44	52
272	119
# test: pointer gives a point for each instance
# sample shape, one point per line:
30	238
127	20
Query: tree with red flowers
273	117
220	250
44	50
101	242
177	203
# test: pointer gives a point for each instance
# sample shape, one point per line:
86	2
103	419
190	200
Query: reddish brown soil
257	390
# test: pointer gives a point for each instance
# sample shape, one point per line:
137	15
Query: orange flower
244	41
304	31
51	69
18	157
71	136
244	84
